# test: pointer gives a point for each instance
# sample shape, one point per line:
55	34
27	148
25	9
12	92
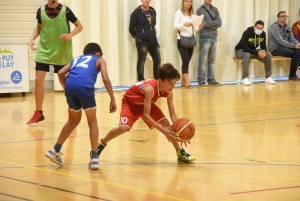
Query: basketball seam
183	127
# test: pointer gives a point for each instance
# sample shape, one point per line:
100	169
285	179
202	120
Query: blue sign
16	77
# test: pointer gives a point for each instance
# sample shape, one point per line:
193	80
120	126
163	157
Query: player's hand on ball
168	133
185	143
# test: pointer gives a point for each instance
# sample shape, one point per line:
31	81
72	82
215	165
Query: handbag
188	41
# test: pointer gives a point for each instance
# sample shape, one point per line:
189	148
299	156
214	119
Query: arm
148	91
263	45
275	32
216	23
171	108
245	44
78	28
62	74
132	25
101	65
177	24
35	34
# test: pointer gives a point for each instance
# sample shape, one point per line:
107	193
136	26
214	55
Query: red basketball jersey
134	96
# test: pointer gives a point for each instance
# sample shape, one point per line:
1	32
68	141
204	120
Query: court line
270	189
241	106
98	181
204	163
75	136
14	196
238	122
28	182
207	163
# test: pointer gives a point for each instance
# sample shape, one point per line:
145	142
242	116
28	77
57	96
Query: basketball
184	129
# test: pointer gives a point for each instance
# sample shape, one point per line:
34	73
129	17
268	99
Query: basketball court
247	147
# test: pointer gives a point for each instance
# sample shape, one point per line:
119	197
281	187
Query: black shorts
45	67
78	102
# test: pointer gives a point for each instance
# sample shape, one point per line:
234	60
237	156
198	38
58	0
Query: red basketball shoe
36	117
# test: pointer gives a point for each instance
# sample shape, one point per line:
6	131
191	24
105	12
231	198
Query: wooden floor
247	148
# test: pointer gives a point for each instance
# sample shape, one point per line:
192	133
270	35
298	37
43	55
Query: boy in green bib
54	47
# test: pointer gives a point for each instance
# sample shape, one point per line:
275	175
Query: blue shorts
77	102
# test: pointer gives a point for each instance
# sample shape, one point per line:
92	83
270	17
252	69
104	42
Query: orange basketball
184	129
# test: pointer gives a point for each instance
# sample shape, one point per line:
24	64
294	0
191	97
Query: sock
57	147
94	154
40	111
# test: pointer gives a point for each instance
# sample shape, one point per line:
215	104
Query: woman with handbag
185	38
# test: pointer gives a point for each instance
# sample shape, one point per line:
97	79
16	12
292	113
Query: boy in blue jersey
79	90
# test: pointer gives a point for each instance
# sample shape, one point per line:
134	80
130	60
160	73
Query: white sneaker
94	164
246	82
269	80
54	156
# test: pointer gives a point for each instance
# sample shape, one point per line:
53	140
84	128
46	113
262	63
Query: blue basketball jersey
82	76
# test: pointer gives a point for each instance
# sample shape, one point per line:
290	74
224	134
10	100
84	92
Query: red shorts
131	113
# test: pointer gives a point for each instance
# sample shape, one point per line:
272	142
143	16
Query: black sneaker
202	84
215	83
101	146
296	78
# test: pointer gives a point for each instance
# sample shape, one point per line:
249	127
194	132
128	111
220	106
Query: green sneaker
183	157
101	146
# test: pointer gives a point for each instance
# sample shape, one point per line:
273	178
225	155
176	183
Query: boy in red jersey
139	101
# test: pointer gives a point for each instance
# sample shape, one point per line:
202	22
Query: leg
93	126
155	54
94	133
204	47
39	89
41	70
128	117
75	106
267	63
186	55
211	61
142	49
290	53
113	133
54	154
69	126
165	123
245	63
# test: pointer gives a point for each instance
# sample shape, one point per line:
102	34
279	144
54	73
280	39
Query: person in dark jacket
142	28
253	45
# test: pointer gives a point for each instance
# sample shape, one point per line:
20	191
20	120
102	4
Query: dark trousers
186	55
294	54
143	47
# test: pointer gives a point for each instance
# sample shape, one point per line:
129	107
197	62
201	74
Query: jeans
290	53
246	56
143	47
186	55
207	52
